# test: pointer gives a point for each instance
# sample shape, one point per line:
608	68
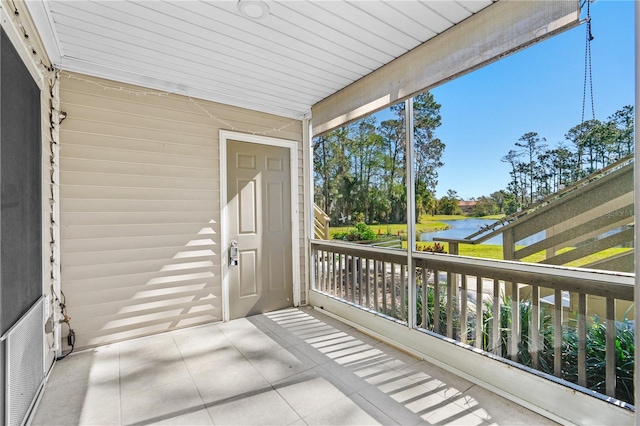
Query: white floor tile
150	375
71	400
264	408
351	410
295	366
228	383
148	349
392	408
281	364
200	359
94	366
498	410
311	390
161	403
194	418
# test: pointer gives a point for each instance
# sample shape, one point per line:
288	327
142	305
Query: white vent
24	365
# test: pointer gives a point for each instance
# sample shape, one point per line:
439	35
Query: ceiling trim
44	22
302	52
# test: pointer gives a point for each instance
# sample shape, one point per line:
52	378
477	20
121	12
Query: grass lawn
485	251
494	251
431	223
395	229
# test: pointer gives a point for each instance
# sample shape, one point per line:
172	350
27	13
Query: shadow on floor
291	367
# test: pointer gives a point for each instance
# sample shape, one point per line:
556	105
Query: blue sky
538	90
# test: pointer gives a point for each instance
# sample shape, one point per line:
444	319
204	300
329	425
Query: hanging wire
588	74
62	303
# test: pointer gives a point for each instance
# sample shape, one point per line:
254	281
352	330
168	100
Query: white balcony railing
567	322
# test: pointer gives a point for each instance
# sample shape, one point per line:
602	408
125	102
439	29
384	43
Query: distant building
467	206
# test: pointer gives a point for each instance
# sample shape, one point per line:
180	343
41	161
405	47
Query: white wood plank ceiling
283	63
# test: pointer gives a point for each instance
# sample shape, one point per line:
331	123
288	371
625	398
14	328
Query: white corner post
411	211
307	147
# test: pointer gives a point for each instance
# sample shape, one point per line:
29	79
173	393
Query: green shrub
362	232
442	314
596	357
595	347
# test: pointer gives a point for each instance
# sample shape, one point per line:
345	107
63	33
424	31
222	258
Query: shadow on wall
145	284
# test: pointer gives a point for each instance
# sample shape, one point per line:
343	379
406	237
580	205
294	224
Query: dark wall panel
2	382
20	188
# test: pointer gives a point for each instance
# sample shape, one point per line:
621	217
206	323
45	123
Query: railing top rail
492	230
350	248
619	285
379	240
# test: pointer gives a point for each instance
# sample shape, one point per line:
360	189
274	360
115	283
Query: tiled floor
290	367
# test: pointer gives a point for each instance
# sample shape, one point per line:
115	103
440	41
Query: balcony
494	322
295	366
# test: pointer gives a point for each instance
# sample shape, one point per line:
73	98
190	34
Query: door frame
293	146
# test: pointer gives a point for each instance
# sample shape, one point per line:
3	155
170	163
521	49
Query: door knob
233	253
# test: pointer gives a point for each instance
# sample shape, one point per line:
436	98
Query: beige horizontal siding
163	282
115	167
136	157
140	208
93	205
140	145
121	257
134	243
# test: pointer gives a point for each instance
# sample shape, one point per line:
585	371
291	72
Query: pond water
465	227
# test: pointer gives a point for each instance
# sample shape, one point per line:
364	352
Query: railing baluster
611	346
347	276
354	278
557	333
368	281
582	339
403	296
360	280
334	274
514	335
496	342
376	281
316	269
342	276
384	288
327	273
534	334
327	263
392	288
322	271
326	278
436	301
479	316
450	278
463	309
425	300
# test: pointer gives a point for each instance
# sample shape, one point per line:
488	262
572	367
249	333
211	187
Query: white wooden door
259	220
